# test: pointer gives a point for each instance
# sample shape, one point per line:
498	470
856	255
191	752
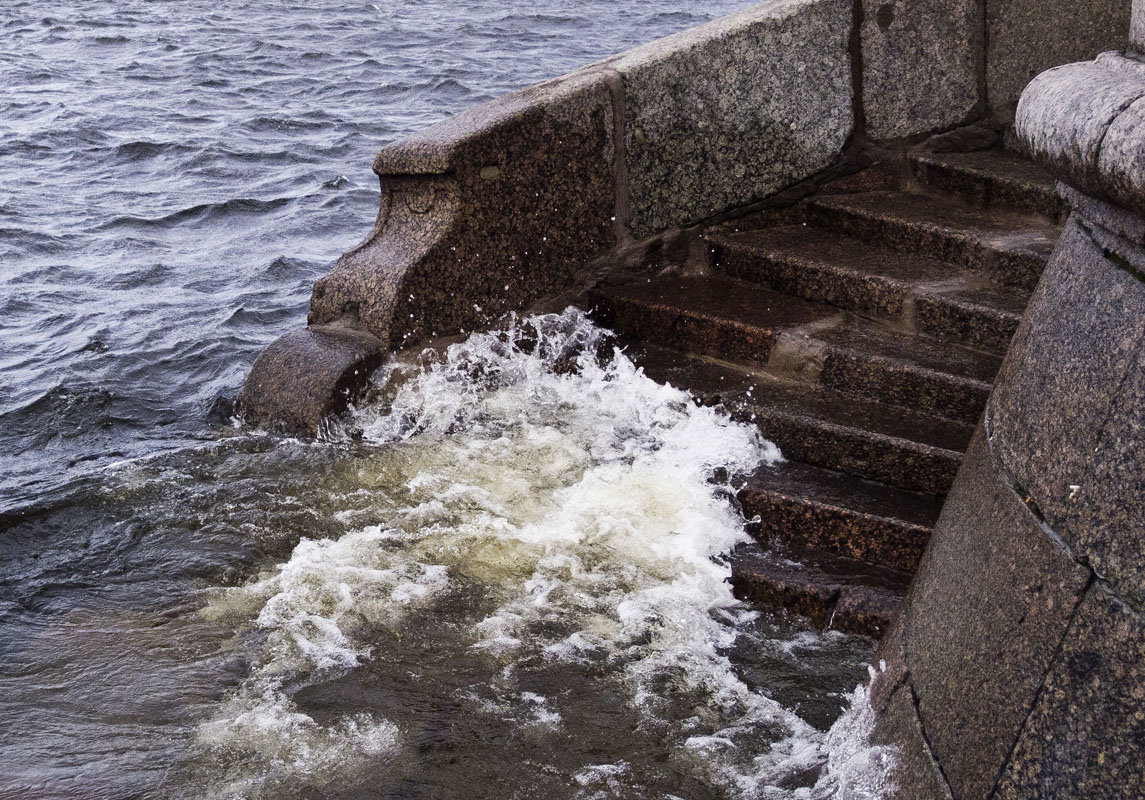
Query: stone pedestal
1022	644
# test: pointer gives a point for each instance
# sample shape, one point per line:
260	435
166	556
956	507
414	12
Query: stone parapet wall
920	65
501	205
1027	37
729	113
534	194
1022	644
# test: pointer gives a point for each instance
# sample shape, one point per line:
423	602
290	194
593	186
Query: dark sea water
177	174
188	609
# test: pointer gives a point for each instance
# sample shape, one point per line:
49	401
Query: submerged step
831	592
991	177
1008	247
825	510
824	265
822	427
714	316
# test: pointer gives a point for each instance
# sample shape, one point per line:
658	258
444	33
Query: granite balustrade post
1017	668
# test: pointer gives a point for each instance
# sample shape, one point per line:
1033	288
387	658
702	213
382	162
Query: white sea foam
541	465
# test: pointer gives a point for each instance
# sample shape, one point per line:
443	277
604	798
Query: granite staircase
860	330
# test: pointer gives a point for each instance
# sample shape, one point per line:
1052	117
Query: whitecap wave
538	464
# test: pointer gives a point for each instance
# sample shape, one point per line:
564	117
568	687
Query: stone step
714	316
907	370
822	427
739	321
991	178
831	592
827	511
825	266
1004	246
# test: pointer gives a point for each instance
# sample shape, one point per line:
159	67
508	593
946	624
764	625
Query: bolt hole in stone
885	16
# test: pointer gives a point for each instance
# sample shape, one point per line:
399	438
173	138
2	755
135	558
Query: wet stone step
819	426
985	316
907	370
826	266
1008	247
992	178
831	592
714	316
799	504
739	321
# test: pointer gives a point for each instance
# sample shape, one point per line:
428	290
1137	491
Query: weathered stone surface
992	599
890	664
824	510
1064	369
483	213
307	374
1107	512
1029	36
1011	249
919	64
915	775
992	178
1104	217
1137	26
730	112
718	317
1066	115
1121	163
817	426
1086	735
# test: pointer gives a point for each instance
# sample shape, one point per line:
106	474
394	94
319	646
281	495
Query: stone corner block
1027	37
484	213
1086	735
731	112
919	65
306	375
989	605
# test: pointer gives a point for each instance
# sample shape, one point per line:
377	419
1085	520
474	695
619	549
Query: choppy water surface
504	577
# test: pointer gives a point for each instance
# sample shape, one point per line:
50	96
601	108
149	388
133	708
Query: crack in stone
1041	687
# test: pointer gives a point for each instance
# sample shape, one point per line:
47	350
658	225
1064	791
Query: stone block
1086	735
1065	114
919	64
482	214
307	374
1027	37
915	775
1107	221
991	601
731	112
1107	514
1057	385
1137	26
